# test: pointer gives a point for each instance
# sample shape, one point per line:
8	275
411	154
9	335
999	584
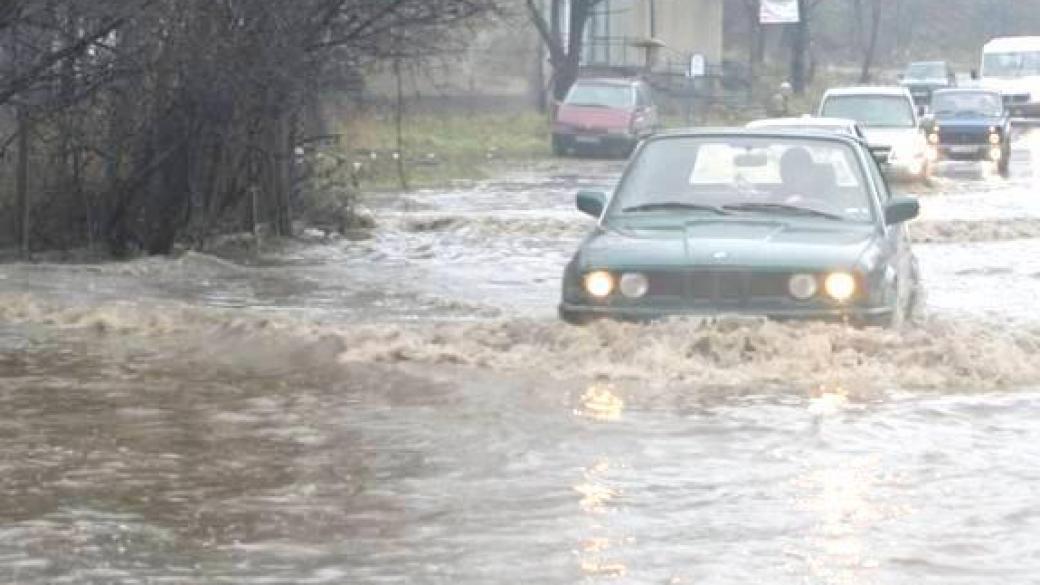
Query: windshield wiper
665	205
783	208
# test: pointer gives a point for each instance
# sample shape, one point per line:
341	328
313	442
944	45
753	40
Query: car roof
802	121
756	133
1008	44
887	90
973	89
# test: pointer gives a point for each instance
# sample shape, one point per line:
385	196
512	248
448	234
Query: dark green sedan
783	224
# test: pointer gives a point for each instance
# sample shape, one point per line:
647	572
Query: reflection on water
601	403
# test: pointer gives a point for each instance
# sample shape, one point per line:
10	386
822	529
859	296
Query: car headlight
840	286
599	283
634	285
802	286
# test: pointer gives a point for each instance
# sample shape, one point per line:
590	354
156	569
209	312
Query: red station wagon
610	115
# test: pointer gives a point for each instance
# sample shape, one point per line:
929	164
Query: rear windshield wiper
665	205
782	207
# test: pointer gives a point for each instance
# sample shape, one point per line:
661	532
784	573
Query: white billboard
779	11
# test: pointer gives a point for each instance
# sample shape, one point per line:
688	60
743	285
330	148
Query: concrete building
682	28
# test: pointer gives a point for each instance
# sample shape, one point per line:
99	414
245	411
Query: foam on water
754	355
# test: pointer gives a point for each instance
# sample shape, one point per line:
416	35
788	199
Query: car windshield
739	174
926	71
601	95
1011	65
967	104
876	111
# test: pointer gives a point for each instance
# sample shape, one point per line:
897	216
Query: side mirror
922	110
592	202
901	209
928	123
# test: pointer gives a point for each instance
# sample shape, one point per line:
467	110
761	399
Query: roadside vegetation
135	125
437	146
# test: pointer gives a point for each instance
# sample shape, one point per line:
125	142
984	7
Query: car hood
593	117
732	244
891	137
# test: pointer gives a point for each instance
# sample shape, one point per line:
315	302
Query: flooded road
404	408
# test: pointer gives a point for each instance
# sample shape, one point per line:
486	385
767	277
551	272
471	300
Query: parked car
610	115
889	120
810	124
1011	66
751	222
970	125
924	77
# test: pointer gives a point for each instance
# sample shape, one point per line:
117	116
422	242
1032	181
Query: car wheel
914	308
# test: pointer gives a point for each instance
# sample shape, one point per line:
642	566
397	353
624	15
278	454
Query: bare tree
868	40
165	119
564	45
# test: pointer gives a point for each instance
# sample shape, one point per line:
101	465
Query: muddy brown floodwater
406	409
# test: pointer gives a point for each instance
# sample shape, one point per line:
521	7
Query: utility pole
653	19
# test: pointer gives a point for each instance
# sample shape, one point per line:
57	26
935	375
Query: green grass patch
440	147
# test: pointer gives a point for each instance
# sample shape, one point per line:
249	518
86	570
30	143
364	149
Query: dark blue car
969	125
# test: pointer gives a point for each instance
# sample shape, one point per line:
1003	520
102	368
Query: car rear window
872	111
601	95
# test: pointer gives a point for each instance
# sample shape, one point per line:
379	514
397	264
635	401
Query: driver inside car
803	180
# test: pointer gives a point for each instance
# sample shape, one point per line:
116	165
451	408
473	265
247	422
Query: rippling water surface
404	408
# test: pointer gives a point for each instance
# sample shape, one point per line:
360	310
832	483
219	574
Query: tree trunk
871	48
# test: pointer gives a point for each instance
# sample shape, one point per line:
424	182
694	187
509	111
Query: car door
898	256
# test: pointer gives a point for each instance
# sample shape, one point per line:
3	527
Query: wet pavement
404	408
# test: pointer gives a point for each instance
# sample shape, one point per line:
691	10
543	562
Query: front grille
964	136
733	287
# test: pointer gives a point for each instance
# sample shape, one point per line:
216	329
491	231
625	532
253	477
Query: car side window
879	179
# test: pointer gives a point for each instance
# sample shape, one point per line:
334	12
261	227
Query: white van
1011	65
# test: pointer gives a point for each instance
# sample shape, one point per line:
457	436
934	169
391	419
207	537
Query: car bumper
594	141
966	152
855	315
